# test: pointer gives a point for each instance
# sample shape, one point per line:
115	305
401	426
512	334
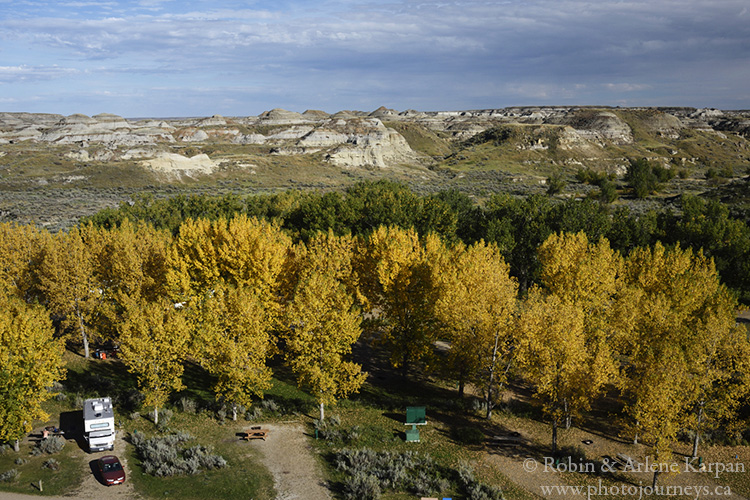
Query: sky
174	58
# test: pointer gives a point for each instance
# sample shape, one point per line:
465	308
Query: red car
111	470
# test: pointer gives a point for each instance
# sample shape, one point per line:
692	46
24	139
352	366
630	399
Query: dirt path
92	489
289	457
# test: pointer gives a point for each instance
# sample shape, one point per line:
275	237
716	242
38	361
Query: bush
407	471
473	488
588	176
188	405
607	192
641	177
255	414
270	405
221	415
165	415
556	183
51	464
9	476
53	444
164	456
362	486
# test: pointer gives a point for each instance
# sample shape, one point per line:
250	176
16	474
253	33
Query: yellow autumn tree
130	265
154	338
234	343
720	378
476	306
321	321
241	251
589	276
553	355
68	280
685	317
20	253
132	261
30	361
227	275
395	273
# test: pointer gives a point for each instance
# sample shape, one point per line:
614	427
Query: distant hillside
54	169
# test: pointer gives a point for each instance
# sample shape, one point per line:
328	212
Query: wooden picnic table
256	434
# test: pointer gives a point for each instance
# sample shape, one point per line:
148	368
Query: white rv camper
99	424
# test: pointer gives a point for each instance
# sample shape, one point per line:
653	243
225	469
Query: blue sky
198	58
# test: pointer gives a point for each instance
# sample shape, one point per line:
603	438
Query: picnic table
513	439
255	433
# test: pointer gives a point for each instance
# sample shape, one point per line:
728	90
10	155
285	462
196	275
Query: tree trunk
84	336
635	438
17	445
656	477
322	412
697	438
234	411
554	435
156	415
492	376
568	419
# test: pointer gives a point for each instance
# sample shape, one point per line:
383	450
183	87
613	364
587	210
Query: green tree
641	178
30	361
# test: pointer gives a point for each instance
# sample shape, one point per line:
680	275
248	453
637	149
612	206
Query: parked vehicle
99	424
111	470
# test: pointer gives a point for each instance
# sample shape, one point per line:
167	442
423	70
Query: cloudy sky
198	58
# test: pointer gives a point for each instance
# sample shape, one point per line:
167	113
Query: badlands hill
54	169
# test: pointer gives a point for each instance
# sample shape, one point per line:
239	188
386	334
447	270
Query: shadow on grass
71	423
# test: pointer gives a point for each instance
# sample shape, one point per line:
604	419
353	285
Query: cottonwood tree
30	361
227	274
154	339
68	281
396	274
685	314
554	356
234	343
242	252
589	276
20	254
130	265
719	379
476	309
322	322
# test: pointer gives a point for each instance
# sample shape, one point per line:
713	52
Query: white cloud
544	50
14	74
